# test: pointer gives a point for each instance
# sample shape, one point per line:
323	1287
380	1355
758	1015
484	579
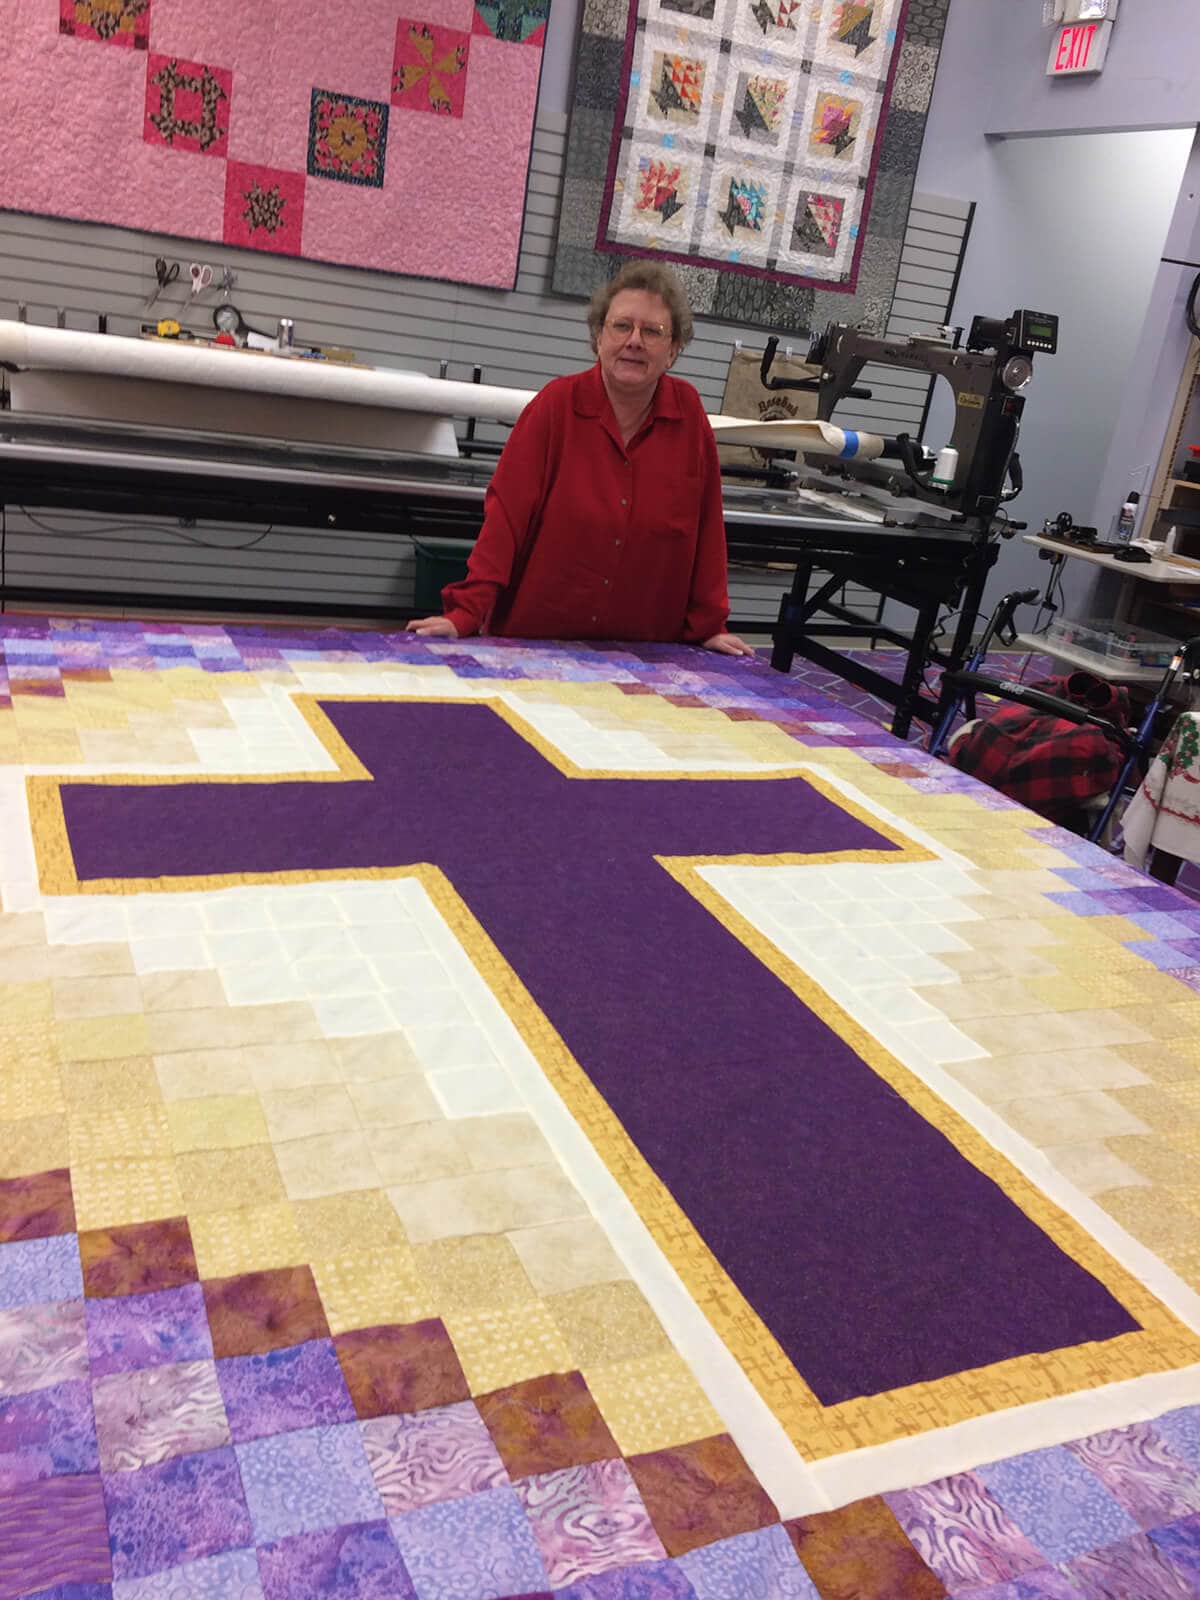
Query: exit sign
1079	47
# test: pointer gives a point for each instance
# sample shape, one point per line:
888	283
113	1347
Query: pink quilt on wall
391	134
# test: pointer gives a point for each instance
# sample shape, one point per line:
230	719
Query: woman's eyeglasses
653	333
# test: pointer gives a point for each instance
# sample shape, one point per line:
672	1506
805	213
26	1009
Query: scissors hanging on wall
202	277
165	276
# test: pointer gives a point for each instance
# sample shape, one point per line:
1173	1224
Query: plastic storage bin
1114	644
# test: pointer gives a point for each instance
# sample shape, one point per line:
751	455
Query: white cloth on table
1164	814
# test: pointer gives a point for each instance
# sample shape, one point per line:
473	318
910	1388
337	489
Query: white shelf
1156	571
1085	661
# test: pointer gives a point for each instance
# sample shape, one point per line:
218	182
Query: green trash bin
439	562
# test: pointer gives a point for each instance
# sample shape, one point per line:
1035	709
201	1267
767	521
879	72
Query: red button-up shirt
584	537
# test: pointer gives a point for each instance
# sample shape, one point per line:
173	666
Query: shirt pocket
682	516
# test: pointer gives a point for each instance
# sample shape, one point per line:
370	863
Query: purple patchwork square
427	1456
356	1563
283	1390
1131	1570
960	1531
662	1580
47	1432
1059	1505
1142	1472
1181	1431
148	1330
53	1532
76	1591
763	1564
479	1546
155	1413
40	1271
588	1519
232	1575
41	1346
1180	1545
176	1512
305	1481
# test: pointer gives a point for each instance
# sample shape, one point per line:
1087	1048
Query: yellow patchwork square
652	1403
251	1239
27	1047
108	1193
367	1288
607	1322
133	1133
216	1122
224	1180
33	1144
341	1224
22	1004
507	1345
103	1038
481	1271
29	1093
92	1086
96	997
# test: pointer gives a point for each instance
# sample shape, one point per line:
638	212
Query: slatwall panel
522	338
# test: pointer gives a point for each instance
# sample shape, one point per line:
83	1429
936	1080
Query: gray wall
1077	225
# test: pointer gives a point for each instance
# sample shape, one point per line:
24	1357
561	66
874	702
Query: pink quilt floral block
122	22
264	208
429	71
187	105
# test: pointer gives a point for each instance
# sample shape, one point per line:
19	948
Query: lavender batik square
355	1563
1061	1507
230	1576
962	1533
46	1433
588	1519
40	1271
762	1565
158	1412
305	1481
661	1580
283	1390
53	1532
479	1546
1142	1472
41	1346
175	1512
1180	1545
147	1330
427	1456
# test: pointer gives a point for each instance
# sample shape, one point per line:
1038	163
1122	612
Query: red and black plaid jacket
1047	764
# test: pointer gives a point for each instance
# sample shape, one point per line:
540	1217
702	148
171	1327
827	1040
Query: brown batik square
860	1552
547	1424
401	1367
37	1207
137	1258
254	1312
701	1492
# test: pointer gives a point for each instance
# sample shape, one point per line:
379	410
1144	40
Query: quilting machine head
988	376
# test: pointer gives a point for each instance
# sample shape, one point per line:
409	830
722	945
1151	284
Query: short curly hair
654	278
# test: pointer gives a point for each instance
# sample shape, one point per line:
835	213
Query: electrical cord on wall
1189	310
174	532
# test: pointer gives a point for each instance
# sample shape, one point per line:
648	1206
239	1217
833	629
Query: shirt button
624	502
616	541
606	583
595	619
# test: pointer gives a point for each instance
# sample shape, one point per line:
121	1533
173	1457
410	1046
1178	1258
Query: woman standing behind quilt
603	519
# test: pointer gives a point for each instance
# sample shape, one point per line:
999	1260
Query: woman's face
635	344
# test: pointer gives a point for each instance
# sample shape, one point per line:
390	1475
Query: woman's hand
433	628
727	644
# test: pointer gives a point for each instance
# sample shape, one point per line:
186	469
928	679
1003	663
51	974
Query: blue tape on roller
851	445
